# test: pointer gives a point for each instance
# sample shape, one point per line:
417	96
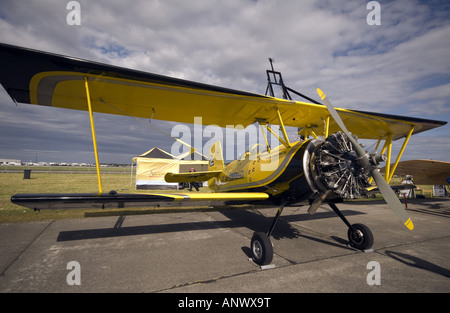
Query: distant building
10	162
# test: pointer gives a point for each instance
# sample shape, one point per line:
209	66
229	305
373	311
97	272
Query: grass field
73	182
56	182
65	169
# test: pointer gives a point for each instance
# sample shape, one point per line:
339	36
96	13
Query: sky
392	58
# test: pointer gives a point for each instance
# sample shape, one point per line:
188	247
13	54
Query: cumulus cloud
398	67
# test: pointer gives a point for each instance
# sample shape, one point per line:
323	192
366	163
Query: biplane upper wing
47	79
425	172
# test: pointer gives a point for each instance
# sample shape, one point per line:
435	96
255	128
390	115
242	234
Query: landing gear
359	235
262	250
261	246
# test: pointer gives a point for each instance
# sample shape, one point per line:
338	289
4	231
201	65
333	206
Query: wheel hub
257	249
357	236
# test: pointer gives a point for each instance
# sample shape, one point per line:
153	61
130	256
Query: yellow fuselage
276	172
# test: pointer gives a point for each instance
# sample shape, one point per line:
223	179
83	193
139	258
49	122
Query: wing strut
94	140
391	173
284	141
265	137
389	154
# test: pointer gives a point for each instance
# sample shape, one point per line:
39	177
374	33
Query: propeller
385	190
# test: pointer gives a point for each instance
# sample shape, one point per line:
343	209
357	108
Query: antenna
271	60
272	76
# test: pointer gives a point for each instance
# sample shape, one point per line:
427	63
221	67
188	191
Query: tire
360	237
262	250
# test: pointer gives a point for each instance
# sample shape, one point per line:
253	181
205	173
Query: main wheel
360	237
262	250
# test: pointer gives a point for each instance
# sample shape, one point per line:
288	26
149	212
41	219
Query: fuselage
283	173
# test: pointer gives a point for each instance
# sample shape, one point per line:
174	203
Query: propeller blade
317	202
385	190
335	115
392	200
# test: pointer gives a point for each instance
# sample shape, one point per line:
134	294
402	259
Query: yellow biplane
326	166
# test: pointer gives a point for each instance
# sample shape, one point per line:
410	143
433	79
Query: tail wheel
262	250
360	237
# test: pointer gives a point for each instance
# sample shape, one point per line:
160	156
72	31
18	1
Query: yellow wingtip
409	224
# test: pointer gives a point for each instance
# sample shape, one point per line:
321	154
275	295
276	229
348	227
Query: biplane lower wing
395	188
117	200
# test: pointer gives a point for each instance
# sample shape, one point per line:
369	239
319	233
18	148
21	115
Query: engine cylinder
336	166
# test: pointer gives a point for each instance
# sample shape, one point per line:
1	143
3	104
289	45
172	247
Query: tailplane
215	169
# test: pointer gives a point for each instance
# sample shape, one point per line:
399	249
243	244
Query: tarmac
209	252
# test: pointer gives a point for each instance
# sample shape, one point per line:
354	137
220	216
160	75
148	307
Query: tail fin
216	157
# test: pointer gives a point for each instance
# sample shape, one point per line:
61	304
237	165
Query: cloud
399	67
